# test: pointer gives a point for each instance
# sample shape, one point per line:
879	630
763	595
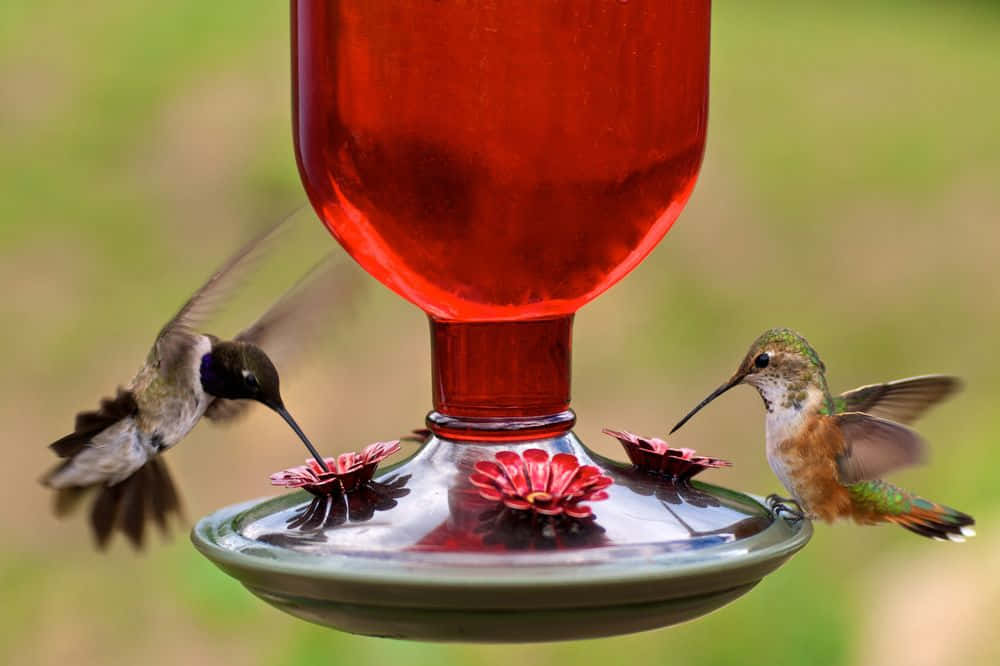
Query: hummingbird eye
251	380
762	360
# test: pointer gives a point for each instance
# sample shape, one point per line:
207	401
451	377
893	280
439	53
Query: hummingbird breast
804	460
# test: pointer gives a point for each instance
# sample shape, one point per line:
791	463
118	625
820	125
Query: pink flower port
348	471
533	482
655	455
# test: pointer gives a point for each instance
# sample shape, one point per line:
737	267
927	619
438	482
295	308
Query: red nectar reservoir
500	164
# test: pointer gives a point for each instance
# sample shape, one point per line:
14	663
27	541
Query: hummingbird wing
178	335
89	424
147	492
904	400
295	321
874	446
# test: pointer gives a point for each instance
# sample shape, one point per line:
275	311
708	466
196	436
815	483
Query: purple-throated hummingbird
115	451
829	451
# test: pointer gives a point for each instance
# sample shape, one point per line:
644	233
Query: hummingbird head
781	357
781	365
240	371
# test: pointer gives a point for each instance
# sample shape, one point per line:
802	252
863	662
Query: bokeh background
850	190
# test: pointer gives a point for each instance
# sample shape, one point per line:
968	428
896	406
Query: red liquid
501	380
495	161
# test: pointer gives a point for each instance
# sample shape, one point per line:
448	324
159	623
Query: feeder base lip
389	574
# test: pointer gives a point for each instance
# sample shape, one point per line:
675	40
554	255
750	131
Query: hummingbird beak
734	381
305	440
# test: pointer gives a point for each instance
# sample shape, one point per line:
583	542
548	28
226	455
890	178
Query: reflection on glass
525	530
308	524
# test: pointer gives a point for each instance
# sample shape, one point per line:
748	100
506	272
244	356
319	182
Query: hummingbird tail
878	501
149	493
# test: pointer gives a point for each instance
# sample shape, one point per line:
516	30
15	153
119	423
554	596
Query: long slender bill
305	440
715	394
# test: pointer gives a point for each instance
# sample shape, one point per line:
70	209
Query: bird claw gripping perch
780	506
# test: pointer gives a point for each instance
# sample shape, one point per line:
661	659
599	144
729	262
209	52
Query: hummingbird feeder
500	167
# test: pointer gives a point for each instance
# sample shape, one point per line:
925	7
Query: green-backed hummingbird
830	451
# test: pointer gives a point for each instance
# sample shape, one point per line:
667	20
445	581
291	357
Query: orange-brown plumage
809	459
831	452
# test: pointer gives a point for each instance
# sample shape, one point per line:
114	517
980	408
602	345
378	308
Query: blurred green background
850	191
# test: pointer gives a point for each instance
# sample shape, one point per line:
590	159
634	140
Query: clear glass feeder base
419	554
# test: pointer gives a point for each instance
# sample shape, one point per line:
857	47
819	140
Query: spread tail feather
149	493
880	501
936	521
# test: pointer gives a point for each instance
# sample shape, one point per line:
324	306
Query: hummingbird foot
783	506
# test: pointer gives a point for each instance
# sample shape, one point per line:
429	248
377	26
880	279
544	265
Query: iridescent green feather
836	405
884	498
788	340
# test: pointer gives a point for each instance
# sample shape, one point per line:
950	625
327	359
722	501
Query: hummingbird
116	451
830	452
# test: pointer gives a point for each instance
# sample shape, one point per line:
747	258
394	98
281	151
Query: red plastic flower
655	455
536	483
348	471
